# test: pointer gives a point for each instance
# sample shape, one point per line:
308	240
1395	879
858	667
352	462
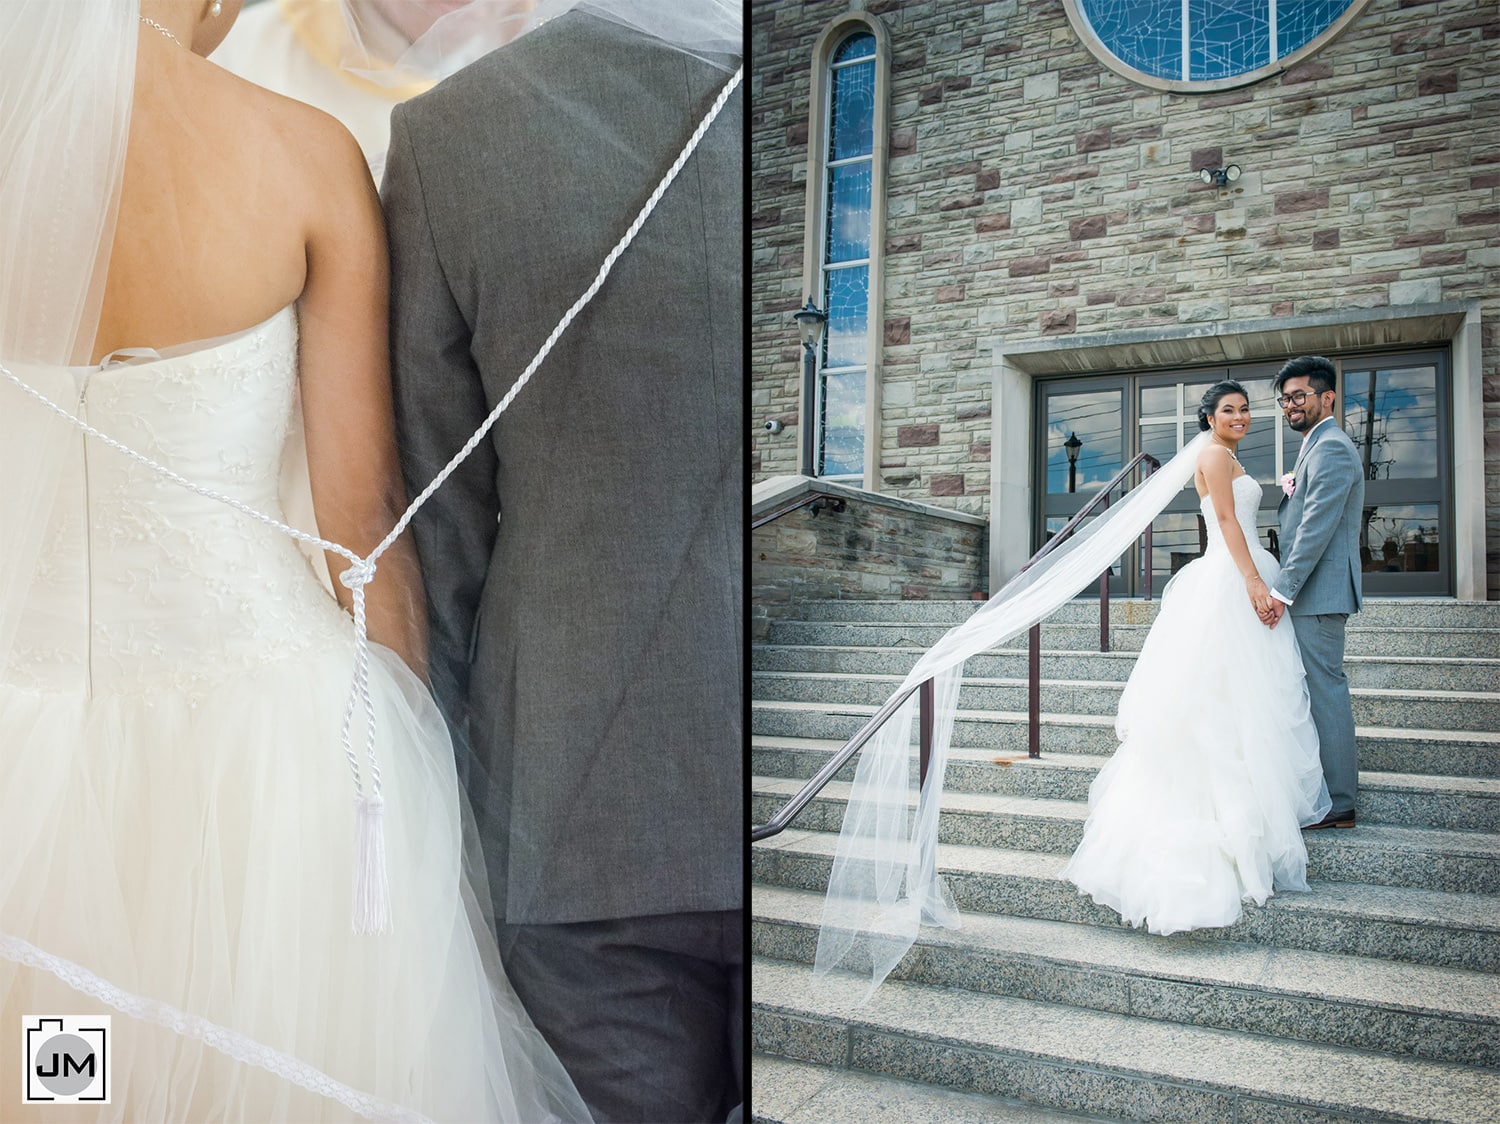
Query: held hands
1267	608
1260	598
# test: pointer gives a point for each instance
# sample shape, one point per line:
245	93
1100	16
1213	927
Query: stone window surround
1096	47
1454	324
812	249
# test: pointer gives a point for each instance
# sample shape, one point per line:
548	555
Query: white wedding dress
176	811
1200	807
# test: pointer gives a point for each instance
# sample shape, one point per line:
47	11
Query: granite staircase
1376	996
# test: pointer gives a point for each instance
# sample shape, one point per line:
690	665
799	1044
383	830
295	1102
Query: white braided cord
562	325
362	570
230	1043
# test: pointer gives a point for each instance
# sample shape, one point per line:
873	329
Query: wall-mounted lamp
1223	177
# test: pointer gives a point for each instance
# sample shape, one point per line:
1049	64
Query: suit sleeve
439	402
1332	470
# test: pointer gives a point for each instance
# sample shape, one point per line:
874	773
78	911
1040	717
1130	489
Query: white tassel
372	890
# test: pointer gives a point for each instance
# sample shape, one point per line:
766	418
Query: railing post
1148	561
925	709
1104	603
1034	691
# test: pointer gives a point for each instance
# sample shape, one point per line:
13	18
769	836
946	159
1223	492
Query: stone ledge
768	495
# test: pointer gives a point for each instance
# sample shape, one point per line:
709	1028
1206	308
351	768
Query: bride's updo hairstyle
1210	401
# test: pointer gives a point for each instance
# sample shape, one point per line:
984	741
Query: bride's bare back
235	203
229	191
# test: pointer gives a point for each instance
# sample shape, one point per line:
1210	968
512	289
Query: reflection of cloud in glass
843	424
1398	438
849	213
1095	418
848	299
1401	538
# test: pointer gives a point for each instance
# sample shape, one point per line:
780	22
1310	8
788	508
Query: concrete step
1378	612
786	1092
1442	710
1361	639
1452	803
1432	752
1433	673
1415	1010
1463	862
1420	926
1111	1064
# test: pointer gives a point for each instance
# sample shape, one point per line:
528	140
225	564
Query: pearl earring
215	8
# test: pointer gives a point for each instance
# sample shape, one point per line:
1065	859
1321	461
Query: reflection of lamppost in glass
1071	447
810	319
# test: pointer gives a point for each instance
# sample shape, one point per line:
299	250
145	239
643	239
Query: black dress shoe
1333	819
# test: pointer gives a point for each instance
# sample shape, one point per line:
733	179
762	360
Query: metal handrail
815	785
1034	638
837	506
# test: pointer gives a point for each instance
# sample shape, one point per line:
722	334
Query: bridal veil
885	883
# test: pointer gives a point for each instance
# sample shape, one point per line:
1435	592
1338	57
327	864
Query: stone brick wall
1032	192
874	549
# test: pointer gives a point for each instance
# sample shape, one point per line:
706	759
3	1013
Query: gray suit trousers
645	1013
1320	637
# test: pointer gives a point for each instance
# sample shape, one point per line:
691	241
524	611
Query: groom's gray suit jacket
1320	567
584	567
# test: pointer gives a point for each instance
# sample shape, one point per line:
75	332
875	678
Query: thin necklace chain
151	23
1225	447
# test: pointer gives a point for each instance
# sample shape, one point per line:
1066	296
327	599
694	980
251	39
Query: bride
1197	810
181	252
1201	806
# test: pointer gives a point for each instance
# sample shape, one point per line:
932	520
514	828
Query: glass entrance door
1394	408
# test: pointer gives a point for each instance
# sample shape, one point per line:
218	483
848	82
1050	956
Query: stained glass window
848	183
1209	41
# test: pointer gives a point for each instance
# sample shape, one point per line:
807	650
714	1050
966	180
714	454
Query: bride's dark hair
1210	401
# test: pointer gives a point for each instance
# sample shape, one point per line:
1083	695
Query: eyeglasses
1297	397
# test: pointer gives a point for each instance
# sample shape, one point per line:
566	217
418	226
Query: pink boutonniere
1288	483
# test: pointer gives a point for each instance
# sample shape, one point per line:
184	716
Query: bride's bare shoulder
1214	459
301	141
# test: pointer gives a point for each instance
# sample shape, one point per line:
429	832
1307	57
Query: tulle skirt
1200	807
181	860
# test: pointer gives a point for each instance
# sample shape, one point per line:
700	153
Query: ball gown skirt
1200	807
176	810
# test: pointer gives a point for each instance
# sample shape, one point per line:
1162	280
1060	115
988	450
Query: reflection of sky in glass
1298	22
860	45
1228	37
848	301
1145	34
843	424
1225	37
1397	440
853	130
1400	538
849	213
1095	418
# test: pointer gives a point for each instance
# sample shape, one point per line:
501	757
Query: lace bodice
1247	492
142	583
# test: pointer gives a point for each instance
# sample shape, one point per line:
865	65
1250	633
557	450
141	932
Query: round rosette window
1204	45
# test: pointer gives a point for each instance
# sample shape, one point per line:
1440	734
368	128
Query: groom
583	567
1320	572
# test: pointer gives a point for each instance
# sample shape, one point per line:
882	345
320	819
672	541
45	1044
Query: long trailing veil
885	884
